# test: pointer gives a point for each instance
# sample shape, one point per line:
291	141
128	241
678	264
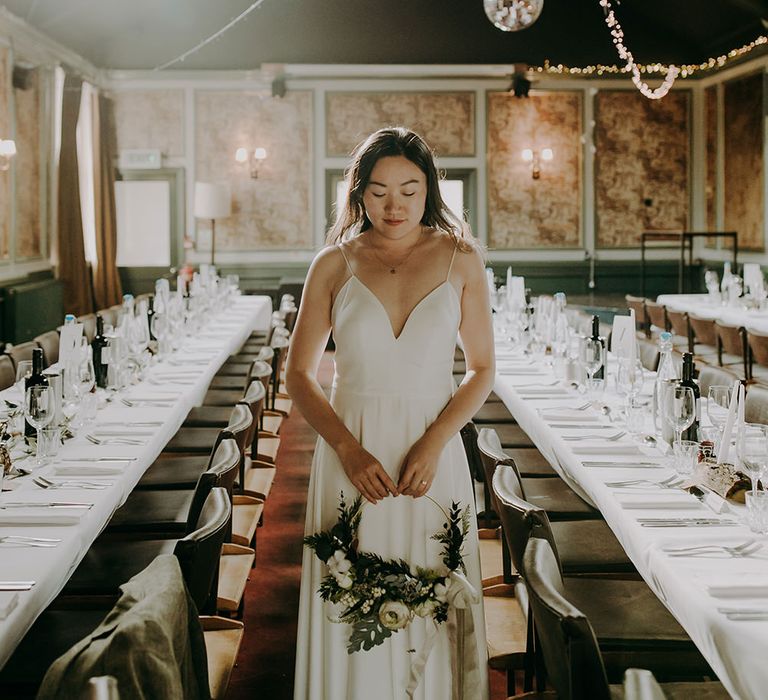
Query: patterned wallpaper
150	119
710	127
28	228
528	213
5	132
272	211
446	120
641	165
744	176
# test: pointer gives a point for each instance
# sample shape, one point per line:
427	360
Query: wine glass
629	377
23	370
680	409
39	407
752	448
592	358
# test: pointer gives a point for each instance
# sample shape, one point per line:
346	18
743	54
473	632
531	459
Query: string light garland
211	38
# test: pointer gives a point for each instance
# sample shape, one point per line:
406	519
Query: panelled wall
622	164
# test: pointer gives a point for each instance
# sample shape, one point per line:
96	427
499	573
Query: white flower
441	590
344	581
343	566
394	615
427	608
339	554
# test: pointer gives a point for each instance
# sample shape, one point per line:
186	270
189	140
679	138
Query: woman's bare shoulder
328	266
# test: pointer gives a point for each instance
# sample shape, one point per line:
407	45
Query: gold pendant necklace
393	268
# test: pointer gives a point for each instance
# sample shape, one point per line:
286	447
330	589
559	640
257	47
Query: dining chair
632	625
703	335
732	343
569	644
649	354
657	317
89	326
712	375
756	404
588	547
757	346
22	351
681	330
49	342
637	304
7	372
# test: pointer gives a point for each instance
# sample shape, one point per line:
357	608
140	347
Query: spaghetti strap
344	255
450	267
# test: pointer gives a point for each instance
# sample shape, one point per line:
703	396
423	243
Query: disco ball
512	15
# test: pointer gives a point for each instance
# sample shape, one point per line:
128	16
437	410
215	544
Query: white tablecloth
701	305
50	568
736	650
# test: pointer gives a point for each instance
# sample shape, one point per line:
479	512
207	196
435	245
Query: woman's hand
419	467
366	473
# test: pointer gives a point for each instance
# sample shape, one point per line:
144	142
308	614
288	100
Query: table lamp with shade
213	200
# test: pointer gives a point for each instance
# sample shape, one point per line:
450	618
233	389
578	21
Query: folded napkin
613	449
738	590
659	501
50	517
86	470
577	417
8	601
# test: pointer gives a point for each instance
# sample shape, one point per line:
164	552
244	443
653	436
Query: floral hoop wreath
378	597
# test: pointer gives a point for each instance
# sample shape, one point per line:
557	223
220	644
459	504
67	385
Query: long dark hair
394	141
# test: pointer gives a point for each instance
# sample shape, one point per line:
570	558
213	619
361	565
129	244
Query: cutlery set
113	440
622	465
51	504
686	522
44	483
609	438
745	614
671	482
744	549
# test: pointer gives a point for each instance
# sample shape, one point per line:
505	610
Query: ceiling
142	34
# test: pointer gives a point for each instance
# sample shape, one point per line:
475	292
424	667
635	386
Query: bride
395	284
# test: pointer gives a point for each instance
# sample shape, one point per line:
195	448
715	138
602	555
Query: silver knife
16	585
99	459
54	504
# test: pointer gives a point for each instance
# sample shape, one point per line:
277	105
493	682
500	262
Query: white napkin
747	587
86	470
52	516
577	417
613	449
8	601
659	502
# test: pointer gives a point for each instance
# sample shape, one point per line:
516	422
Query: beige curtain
73	269
106	280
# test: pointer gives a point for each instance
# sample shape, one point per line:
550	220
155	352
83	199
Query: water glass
686	456
752	448
757	511
39	408
592	356
680	409
637	415
48	442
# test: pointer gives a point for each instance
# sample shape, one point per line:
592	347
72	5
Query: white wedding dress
387	390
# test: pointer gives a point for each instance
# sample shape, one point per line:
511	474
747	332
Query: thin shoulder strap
344	255
453	257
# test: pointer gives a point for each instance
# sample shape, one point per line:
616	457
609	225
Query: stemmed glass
592	357
680	409
629	377
718	404
752	447
23	370
39	407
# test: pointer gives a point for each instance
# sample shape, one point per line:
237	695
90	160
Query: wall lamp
7	152
534	157
252	159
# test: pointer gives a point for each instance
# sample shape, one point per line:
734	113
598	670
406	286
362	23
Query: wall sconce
535	157
252	159
7	152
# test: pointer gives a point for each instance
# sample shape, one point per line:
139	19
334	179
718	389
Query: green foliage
366	634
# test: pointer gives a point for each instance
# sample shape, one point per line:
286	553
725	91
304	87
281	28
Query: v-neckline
383	308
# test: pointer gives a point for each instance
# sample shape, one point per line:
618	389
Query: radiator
28	309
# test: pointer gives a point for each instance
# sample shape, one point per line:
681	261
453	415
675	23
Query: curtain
73	269
106	280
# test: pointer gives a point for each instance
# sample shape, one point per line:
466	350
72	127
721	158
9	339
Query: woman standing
396	283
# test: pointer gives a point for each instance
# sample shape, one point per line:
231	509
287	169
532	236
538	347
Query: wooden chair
649	354
756	404
637	304
657	317
757	346
570	645
703	333
49	342
711	375
680	328
732	343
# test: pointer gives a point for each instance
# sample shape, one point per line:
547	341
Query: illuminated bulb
546	154
260	153
241	155
527	155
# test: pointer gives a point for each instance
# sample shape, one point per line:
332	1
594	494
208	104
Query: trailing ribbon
461	637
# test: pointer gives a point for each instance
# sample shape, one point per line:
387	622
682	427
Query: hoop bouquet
381	596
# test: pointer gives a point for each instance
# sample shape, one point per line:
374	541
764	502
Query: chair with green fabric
151	642
569	643
632	625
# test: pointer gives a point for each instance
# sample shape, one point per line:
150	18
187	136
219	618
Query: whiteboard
143	223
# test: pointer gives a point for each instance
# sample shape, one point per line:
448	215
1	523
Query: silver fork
44	483
582	407
113	441
156	403
609	438
739	550
23	541
671	482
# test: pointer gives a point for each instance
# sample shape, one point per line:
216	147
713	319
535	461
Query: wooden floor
267	656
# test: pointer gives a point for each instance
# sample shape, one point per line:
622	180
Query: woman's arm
310	335
476	332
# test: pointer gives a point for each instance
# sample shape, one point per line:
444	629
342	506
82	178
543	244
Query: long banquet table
183	378
735	650
702	305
